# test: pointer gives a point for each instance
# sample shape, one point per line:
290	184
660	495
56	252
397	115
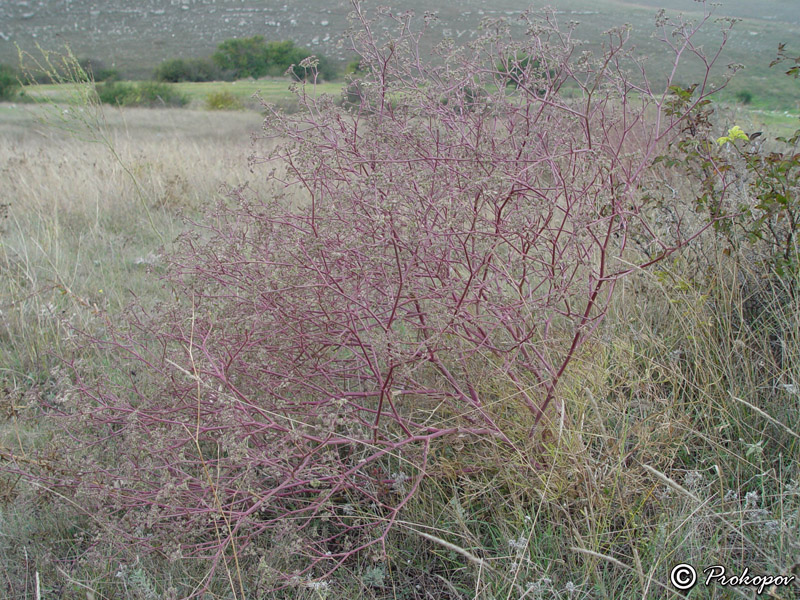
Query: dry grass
90	213
77	234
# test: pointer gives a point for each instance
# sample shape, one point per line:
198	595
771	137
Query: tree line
243	58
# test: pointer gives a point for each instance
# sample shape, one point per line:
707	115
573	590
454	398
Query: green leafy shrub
243	57
223	101
764	213
98	70
353	67
353	96
523	71
772	216
151	93
744	96
9	84
193	69
116	92
280	55
254	57
144	93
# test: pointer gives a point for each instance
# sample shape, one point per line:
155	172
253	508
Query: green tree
245	57
253	57
98	69
281	55
525	71
9	84
193	69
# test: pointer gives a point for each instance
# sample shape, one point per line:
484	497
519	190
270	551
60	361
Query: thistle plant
439	249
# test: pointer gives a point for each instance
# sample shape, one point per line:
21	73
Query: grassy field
92	211
250	94
247	92
272	90
75	203
679	441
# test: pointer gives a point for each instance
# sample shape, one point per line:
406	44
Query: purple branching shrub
445	239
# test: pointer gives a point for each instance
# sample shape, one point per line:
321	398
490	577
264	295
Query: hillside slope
136	36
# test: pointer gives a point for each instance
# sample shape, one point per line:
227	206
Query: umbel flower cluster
443	242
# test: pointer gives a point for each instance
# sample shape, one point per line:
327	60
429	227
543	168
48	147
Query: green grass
779	123
770	89
270	90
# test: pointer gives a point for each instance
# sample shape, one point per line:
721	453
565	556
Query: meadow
275	90
676	439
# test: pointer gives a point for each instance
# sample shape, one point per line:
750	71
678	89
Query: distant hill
134	36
